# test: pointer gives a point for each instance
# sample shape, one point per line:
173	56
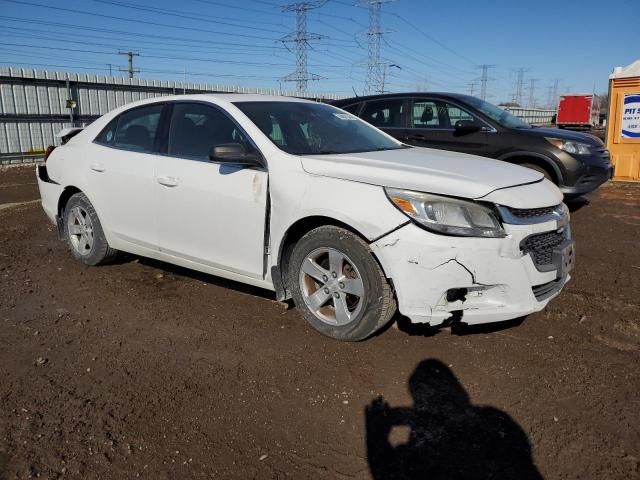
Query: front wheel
338	285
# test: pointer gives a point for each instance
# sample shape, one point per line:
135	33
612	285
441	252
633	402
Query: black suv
577	162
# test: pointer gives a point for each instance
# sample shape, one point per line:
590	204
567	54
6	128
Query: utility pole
130	54
300	38
484	79
532	95
374	79
472	88
518	94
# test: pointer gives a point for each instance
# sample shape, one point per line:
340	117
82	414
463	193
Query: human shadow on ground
446	437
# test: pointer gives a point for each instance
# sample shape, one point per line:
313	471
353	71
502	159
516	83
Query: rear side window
384	113
136	129
197	128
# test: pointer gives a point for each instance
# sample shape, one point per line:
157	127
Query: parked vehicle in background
578	111
577	163
311	202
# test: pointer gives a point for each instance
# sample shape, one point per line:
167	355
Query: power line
176	13
137	21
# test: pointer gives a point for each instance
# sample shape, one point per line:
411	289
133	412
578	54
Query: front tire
84	233
338	285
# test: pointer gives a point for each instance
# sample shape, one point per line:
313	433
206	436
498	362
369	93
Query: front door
435	123
209	213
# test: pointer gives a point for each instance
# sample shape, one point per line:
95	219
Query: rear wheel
84	233
338	285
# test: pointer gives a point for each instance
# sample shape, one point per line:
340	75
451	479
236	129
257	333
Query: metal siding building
33	104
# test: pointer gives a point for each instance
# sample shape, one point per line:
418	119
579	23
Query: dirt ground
143	370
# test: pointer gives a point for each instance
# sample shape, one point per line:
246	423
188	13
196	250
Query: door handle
168	181
97	167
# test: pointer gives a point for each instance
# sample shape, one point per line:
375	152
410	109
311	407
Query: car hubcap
80	228
331	286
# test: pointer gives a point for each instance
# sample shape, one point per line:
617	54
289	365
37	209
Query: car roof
347	101
218	98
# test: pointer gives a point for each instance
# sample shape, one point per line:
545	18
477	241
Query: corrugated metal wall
33	104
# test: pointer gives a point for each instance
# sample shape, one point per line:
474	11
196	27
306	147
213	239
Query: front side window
384	113
495	113
457	114
137	129
302	128
197	128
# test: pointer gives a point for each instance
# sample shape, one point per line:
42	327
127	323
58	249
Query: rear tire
83	232
338	286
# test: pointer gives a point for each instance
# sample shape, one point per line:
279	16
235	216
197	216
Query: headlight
574	148
447	215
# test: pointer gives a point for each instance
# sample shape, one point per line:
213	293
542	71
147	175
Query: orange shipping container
623	123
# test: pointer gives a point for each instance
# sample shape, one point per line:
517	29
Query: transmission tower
532	92
556	84
373	82
472	88
484	79
300	38
518	94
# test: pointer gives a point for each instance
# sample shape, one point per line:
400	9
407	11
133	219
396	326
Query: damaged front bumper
483	280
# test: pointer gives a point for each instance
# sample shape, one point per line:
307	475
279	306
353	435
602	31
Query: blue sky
438	45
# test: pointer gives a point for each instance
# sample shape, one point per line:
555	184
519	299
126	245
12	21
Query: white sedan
309	201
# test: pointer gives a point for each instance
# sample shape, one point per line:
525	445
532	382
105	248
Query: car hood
563	134
424	170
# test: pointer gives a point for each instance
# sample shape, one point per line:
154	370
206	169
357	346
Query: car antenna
354	91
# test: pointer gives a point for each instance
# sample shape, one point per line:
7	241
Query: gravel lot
141	369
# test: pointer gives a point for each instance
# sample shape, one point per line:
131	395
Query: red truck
578	111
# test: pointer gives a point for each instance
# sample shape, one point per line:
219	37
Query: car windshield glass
497	114
315	128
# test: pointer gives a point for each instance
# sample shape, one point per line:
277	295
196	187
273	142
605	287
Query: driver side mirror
234	153
464	127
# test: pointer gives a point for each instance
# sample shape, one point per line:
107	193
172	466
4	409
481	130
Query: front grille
533	212
546	289
541	246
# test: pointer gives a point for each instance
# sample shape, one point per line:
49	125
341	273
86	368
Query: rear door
209	213
432	124
120	172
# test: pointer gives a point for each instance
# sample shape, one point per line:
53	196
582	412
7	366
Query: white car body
234	223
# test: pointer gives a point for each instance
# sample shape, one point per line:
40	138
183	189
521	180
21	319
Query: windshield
315	128
497	114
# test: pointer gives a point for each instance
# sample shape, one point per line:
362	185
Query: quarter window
197	128
384	113
137	129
